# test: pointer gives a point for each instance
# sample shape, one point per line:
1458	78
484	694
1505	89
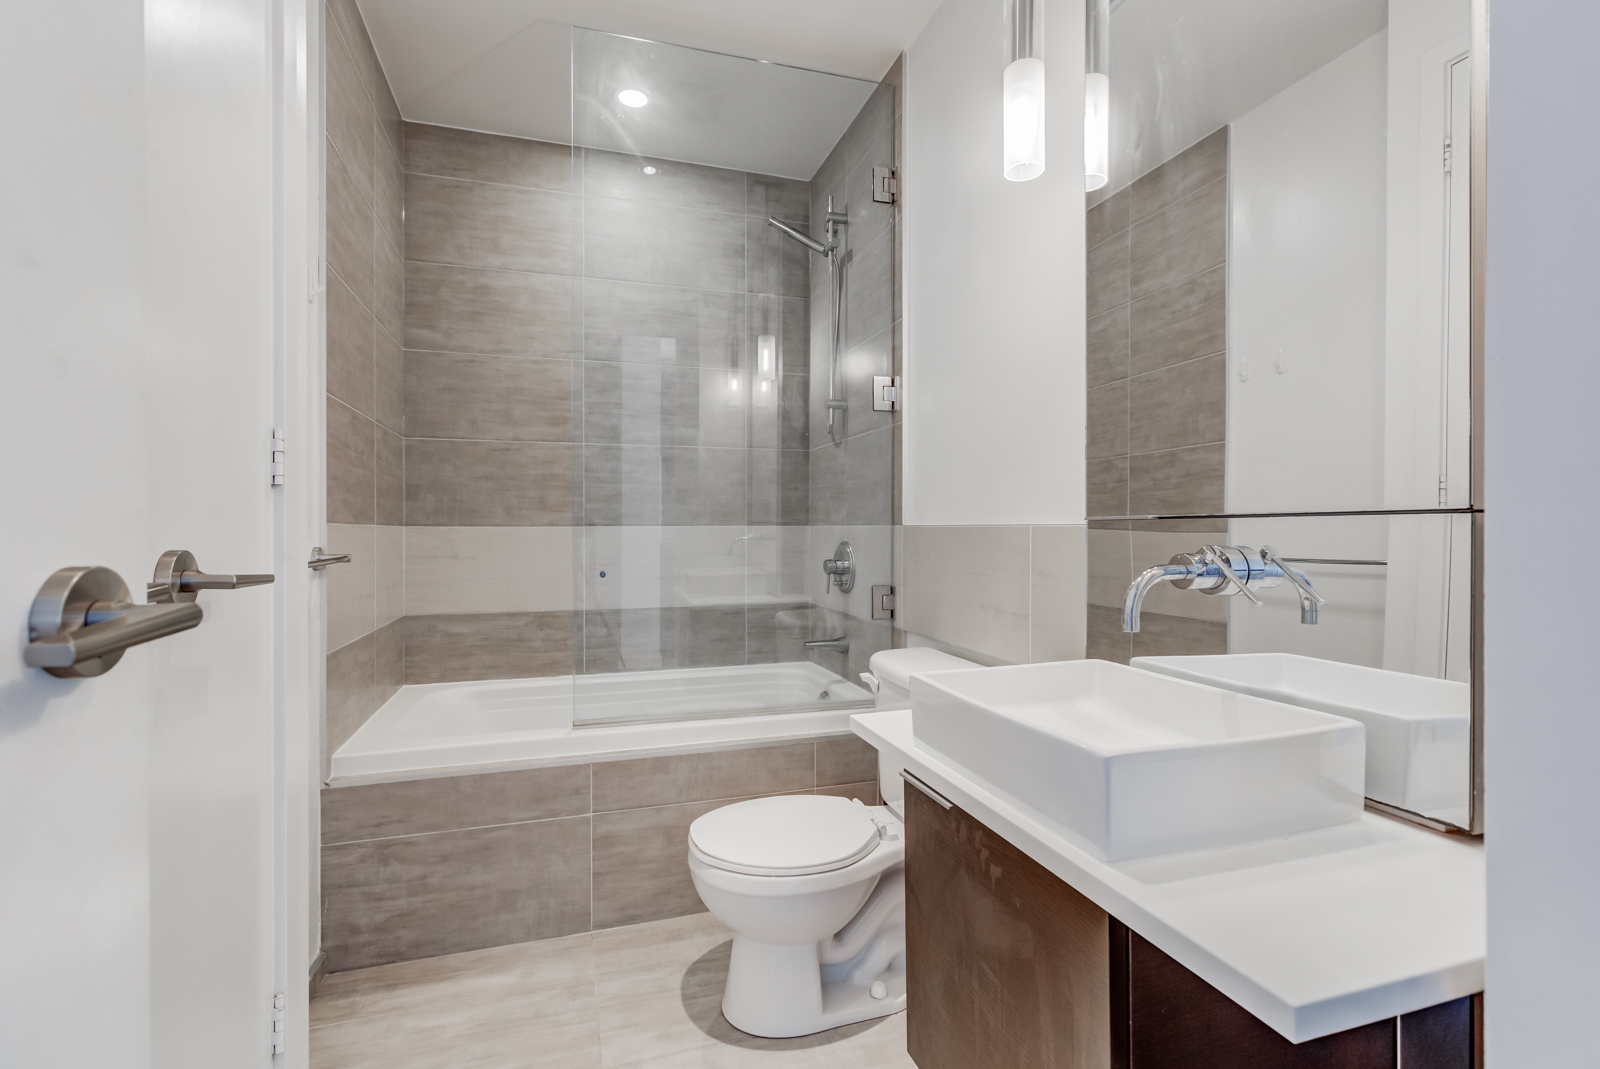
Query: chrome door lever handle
179	578
320	560
83	620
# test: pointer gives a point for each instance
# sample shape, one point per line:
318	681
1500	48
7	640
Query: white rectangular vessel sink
1418	728
1133	764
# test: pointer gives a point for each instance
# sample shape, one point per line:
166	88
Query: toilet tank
893	670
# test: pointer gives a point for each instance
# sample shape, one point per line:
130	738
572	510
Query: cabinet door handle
927	790
83	620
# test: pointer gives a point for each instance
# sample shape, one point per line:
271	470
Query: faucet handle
1215	555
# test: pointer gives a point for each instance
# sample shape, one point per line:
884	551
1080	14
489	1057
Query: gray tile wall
435	866
1157	389
364	297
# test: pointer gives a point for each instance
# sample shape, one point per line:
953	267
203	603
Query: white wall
1306	292
1542	442
994	282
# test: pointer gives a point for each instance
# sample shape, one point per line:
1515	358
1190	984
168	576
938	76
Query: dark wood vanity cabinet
1011	967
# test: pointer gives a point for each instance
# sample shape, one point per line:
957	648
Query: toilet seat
785	835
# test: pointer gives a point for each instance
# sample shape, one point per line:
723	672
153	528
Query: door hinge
883	603
886	393
280	1005
276	466
885	186
1447	154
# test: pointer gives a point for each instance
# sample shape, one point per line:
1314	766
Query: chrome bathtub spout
837	645
1161	573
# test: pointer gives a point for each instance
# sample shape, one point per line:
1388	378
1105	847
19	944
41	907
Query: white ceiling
1182	68
504	66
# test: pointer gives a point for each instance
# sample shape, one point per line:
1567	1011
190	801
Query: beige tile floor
645	995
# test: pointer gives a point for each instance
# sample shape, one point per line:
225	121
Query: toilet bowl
814	889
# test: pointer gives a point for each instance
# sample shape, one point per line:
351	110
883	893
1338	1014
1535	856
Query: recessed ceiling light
632	98
649	170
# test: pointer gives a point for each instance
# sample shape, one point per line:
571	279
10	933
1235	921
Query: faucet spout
1141	586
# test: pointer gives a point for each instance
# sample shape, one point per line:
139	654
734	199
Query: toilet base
779	991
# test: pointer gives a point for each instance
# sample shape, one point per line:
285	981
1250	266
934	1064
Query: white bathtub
440	729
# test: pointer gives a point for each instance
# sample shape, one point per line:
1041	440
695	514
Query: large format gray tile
622	486
1184	404
635	241
1176	482
1161	635
421	895
351	117
677	636
351	590
351	465
788	199
350	348
1107	420
423	984
853	482
780	486
346	16
1179	241
1059	587
1108	487
869	289
673	184
472	310
641	864
774	262
1199	165
449	803
388	362
491	645
391	659
1179	323
351	228
389	188
845	759
506	398
643	404
970	587
388	284
488	484
869	219
560	1026
512	161
1107	275
390	489
1106	219
352	688
478	224
677	778
1107	641
1108	347
672	325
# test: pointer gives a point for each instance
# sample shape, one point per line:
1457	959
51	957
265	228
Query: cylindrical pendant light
1023	93
1097	97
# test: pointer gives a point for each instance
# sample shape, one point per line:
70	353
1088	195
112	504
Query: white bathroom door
141	347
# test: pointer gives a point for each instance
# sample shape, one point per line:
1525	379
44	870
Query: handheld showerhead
805	239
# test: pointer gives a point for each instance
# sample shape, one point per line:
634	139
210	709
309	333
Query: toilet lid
788	835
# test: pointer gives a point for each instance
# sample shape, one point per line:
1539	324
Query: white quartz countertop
1314	933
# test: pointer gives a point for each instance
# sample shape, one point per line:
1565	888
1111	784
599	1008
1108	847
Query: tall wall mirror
1280	367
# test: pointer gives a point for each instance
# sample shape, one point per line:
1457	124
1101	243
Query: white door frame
301	517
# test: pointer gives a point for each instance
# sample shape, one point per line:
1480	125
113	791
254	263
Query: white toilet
813	887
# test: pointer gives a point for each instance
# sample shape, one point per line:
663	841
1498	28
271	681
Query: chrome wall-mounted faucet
1225	570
